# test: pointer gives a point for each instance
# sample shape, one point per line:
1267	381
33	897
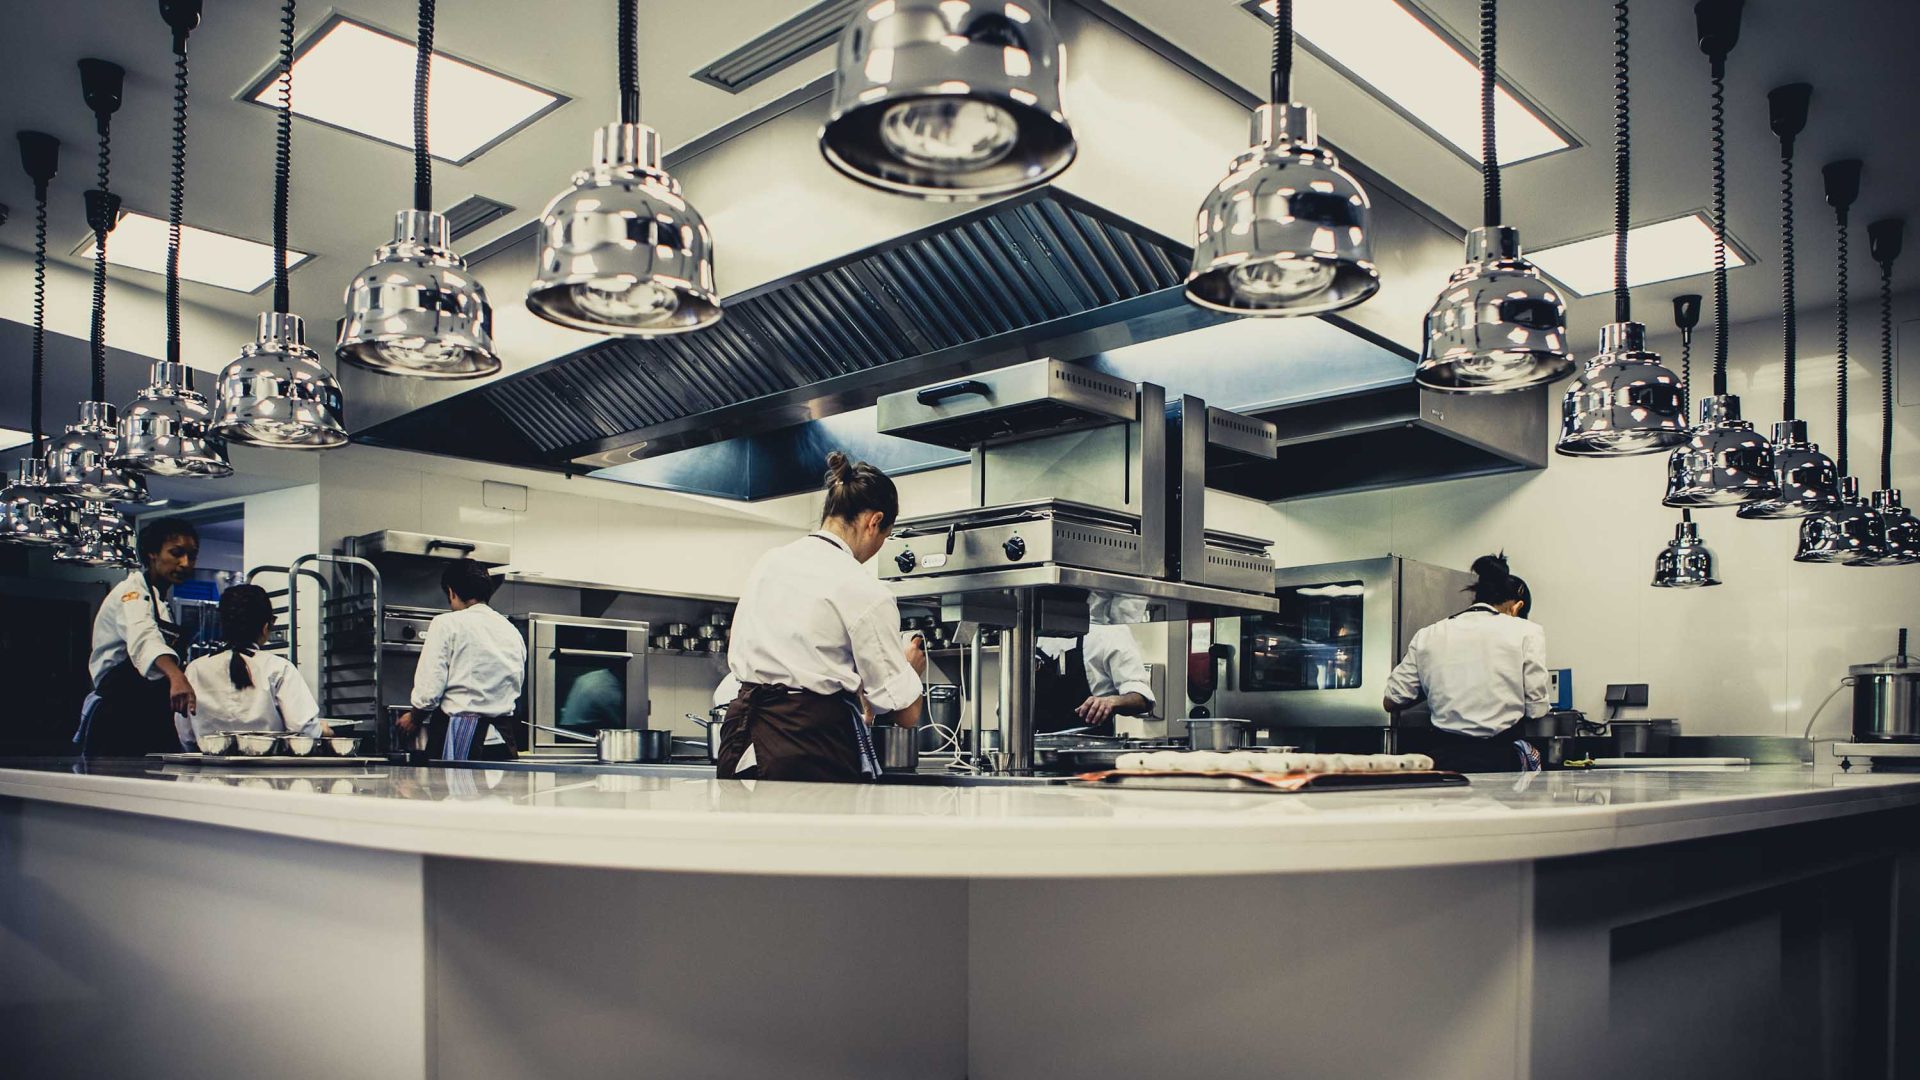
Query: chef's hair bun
1496	584
855	488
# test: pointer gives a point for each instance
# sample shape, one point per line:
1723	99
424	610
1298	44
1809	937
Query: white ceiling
1558	51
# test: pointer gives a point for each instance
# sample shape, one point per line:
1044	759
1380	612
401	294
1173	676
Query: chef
1482	672
815	631
1088	680
139	682
472	664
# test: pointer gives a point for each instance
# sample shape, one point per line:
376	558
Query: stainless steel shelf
1174	593
517	578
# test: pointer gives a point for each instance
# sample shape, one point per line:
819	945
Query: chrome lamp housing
417	310
165	430
1625	402
948	100
1685	563
33	514
1724	463
1286	232
622	251
99	536
81	461
1846	532
1498	326
1899	532
277	393
1806	478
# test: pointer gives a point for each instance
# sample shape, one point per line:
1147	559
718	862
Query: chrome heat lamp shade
1685	563
1899	532
1806	478
80	461
622	251
1498	325
1286	232
1625	402
1845	532
276	392
417	310
165	430
33	514
100	536
1724	463
948	100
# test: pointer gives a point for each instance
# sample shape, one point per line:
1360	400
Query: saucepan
623	746
712	722
898	748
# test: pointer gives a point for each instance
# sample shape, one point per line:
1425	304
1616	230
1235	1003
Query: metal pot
1216	733
1552	725
898	748
1886	701
622	746
721	619
709	632
662	641
712	722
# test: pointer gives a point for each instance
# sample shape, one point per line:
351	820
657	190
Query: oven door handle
599	654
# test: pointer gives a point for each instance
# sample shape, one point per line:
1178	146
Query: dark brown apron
795	735
1061	686
134	716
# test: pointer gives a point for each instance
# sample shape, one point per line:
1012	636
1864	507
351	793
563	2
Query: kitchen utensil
898	748
712	722
614	746
721	619
709	632
257	743
216	742
1641	736
943	705
1219	733
656	744
300	745
715	645
661	641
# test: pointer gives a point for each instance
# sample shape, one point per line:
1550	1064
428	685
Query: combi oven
1323	659
583	674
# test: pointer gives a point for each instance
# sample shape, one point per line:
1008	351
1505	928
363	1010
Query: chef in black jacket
139	680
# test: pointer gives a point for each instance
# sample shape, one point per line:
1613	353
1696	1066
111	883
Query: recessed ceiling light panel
1397	53
354	77
1665	250
208	257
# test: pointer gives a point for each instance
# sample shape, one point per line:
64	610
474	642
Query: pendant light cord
629	61
39	314
1489	148
1622	166
1719	226
422	70
283	160
1886	375
1789	327
1686	371
1280	88
100	211
177	194
1840	345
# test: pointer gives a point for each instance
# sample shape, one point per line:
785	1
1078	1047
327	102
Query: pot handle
565	733
702	721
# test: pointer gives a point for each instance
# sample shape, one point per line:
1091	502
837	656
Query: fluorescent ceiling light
1662	251
12	440
139	242
351	76
1405	60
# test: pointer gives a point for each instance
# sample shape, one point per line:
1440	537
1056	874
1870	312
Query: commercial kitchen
959	538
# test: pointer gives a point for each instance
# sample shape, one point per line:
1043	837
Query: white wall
136	311
1754	656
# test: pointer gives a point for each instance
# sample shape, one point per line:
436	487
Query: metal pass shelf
1180	597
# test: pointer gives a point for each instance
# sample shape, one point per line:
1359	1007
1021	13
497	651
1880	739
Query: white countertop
660	819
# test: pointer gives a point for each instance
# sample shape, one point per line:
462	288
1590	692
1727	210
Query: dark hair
468	580
155	534
855	488
1496	584
244	612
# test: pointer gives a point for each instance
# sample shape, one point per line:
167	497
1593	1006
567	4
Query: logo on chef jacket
127	598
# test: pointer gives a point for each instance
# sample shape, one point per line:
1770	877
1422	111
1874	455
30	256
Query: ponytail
855	488
245	611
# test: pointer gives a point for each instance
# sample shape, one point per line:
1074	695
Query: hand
406	723
180	695
1096	710
917	654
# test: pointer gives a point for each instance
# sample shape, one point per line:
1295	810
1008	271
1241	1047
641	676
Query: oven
1323	659
583	674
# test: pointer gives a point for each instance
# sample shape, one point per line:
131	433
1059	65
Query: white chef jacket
812	618
1113	662
125	627
1481	671
278	700
471	661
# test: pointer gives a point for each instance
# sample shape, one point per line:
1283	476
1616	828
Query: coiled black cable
1280	84
1886	375
1686	371
1489	149
1622	166
629	61
1719	228
1840	344
39	314
1789	329
422	70
102	224
176	195
283	160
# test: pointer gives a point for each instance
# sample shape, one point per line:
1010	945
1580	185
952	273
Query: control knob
905	561
1015	548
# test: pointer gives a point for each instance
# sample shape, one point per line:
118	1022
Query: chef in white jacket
139	675
473	663
1088	680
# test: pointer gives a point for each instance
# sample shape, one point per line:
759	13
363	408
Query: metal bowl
343	745
257	743
709	632
721	619
663	641
216	742
300	745
715	645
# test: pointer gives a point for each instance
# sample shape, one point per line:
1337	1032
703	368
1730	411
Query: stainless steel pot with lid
1886	700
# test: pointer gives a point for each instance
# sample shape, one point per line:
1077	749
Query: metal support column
1016	724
